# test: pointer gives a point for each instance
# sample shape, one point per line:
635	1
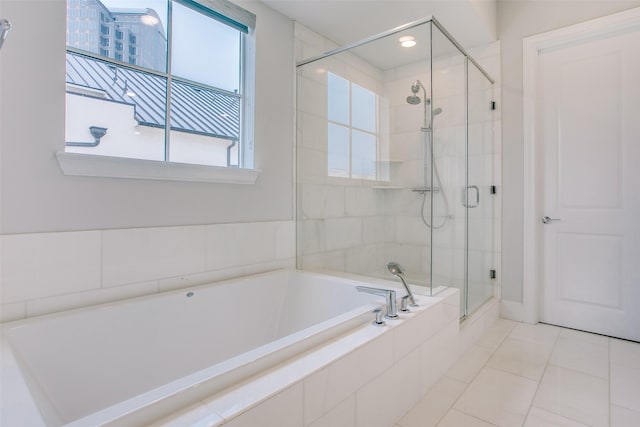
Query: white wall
37	197
516	20
69	241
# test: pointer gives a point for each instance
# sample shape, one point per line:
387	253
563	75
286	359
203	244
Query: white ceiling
471	22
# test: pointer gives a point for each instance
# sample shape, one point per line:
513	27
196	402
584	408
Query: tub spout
388	294
396	270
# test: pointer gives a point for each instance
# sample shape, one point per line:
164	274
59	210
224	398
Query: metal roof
193	109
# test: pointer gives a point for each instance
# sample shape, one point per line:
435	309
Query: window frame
107	166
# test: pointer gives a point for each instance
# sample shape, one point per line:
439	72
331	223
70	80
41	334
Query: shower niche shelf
387	187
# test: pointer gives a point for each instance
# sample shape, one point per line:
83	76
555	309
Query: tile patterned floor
534	376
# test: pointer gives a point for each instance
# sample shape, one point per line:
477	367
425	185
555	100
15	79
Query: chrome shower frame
428	121
395	30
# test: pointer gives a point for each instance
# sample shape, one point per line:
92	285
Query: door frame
532	228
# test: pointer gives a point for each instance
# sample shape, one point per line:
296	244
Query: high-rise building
134	36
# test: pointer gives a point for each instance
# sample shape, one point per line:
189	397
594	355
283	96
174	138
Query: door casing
532	232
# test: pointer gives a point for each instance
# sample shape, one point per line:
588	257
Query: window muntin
204	113
352	129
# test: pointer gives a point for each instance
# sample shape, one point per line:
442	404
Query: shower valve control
378	320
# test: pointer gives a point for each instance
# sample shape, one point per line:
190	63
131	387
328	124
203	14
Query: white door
589	110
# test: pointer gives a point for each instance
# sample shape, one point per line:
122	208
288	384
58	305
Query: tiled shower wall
48	272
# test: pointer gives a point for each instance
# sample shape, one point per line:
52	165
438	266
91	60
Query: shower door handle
466	198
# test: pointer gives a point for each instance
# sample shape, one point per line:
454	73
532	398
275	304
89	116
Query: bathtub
101	365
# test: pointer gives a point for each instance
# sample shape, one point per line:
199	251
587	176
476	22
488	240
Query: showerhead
415	99
436	111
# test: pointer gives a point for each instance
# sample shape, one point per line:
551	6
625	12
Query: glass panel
338	99
446	167
363	108
205	50
205	126
93	26
359	154
482	220
363	156
338	147
113	111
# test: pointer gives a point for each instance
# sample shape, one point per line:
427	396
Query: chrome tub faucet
388	294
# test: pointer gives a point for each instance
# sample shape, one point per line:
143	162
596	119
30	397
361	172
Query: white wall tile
281	410
385	399
189	280
423	325
331	385
47	264
230	245
142	254
437	354
285	239
54	304
343	415
15	311
360	201
343	233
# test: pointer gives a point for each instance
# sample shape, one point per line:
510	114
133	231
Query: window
195	109
352	129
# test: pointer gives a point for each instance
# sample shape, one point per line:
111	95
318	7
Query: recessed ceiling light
407	41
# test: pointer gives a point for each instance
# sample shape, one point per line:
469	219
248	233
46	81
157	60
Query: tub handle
404	303
378	320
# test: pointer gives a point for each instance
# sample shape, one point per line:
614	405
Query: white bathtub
99	365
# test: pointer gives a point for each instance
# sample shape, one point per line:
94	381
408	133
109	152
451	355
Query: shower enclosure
393	156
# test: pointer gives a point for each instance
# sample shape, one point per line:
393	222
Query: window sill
121	167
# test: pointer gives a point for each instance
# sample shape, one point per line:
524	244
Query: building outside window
195	109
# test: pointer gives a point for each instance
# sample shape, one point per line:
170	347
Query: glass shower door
480	202
446	171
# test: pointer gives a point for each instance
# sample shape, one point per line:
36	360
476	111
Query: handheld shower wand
396	270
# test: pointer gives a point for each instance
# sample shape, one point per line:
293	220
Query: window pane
338	146
338	99
363	156
363	108
94	25
113	111
205	50
205	126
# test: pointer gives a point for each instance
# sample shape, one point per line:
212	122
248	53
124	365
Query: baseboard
512	310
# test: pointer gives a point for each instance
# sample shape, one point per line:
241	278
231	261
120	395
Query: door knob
548	220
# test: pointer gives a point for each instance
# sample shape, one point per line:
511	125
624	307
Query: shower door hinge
493	189
492	274
493	105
